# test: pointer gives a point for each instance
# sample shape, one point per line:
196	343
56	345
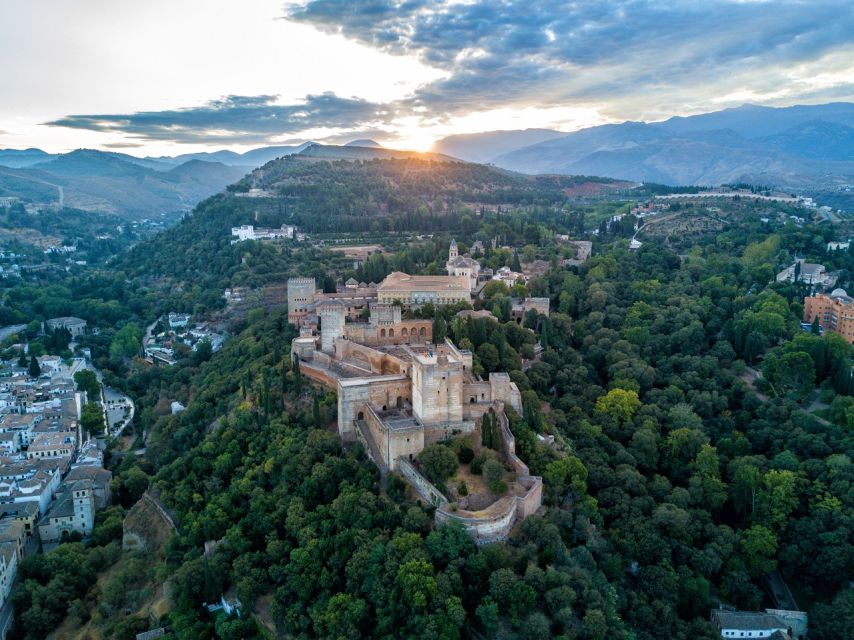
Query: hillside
117	184
378	196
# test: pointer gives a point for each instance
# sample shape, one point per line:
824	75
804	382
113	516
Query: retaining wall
423	487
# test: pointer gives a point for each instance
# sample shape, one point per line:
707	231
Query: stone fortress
398	392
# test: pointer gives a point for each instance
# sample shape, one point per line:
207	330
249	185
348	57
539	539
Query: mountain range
809	148
133	188
138	188
798	147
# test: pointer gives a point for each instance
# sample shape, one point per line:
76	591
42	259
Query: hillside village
52	475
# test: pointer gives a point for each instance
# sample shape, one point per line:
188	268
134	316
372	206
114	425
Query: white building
838	246
249	232
808	273
509	277
458	265
75	326
178	320
748	624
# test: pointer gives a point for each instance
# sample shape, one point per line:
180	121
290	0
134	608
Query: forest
708	440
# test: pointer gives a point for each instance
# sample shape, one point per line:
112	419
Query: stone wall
332	318
508	443
505	390
421	485
404	332
533	499
147	526
474	392
392	445
315	372
375	361
489	525
355	393
437	389
301	294
438	433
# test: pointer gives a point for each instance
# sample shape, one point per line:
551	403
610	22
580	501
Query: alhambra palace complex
398	392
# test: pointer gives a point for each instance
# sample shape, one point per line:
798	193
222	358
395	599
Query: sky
164	77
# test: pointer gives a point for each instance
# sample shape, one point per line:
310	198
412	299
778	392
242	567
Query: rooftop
747	620
399	281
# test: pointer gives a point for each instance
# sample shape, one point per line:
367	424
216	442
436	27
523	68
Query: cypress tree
34	370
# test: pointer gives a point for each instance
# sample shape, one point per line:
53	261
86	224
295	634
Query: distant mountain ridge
364	142
115	183
485	147
796	146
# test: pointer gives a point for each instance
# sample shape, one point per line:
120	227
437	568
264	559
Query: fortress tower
301	294
384	313
437	386
333	314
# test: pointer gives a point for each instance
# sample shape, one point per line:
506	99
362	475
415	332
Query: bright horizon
172	77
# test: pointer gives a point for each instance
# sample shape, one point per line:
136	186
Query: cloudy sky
174	76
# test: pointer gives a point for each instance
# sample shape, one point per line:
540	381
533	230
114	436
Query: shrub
498	487
477	465
493	471
438	462
462	489
465	455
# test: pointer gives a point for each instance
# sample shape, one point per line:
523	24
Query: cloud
122	145
616	60
523	52
235	119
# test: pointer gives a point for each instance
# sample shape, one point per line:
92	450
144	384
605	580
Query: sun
409	136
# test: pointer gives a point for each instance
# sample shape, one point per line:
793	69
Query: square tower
437	385
301	297
333	315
